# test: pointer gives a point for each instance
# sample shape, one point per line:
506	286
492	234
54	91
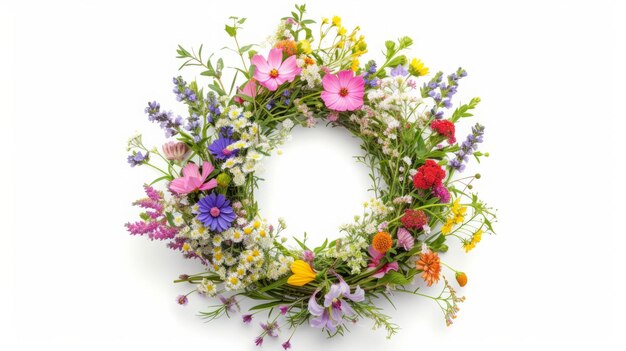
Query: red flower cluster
429	175
414	219
445	128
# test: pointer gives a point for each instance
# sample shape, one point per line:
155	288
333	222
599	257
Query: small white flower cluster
310	71
281	33
279	267
351	251
239	255
250	147
207	288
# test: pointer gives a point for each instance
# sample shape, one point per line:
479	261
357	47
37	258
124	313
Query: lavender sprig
467	148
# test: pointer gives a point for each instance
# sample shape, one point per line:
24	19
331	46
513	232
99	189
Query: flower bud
175	150
223	180
461	278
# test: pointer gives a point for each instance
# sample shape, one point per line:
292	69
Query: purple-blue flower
137	158
399	70
330	316
215	212
219	148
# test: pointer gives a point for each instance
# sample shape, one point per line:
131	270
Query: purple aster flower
399	70
215	212
219	148
137	158
182	300
335	307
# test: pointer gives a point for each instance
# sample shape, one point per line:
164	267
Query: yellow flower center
274	73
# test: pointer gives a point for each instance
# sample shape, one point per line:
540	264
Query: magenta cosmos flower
274	71
343	91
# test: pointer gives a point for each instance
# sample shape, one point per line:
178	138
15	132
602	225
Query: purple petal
333	293
315	308
359	294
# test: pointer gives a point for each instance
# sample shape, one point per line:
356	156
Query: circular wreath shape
405	119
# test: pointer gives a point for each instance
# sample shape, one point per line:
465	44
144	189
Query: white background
75	78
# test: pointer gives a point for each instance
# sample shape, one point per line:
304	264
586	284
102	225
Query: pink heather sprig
153	194
155	225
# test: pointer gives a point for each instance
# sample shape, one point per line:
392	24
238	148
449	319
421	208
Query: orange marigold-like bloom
289	47
429	263
382	242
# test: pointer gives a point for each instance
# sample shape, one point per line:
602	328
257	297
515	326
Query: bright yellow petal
301	268
298	280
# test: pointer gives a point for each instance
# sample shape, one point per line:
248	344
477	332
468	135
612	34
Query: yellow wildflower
305	46
336	21
355	65
470	244
447	227
342	31
302	273
324	20
417	68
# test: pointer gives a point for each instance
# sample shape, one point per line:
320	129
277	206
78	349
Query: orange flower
429	263
461	278
289	47
382	242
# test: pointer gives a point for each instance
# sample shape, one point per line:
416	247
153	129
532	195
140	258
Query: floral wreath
208	211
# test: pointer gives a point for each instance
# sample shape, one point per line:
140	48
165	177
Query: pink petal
374	253
250	88
275	58
289	68
331	83
270	84
191	170
180	185
209	185
261	76
207	168
330	99
345	77
260	63
353	103
356	84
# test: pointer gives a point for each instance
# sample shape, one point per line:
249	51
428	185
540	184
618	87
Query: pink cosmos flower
376	257
274	71
248	89
192	180
343	91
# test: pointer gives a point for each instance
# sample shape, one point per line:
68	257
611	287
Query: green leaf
394	277
245	48
301	244
390	45
232	31
266	305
